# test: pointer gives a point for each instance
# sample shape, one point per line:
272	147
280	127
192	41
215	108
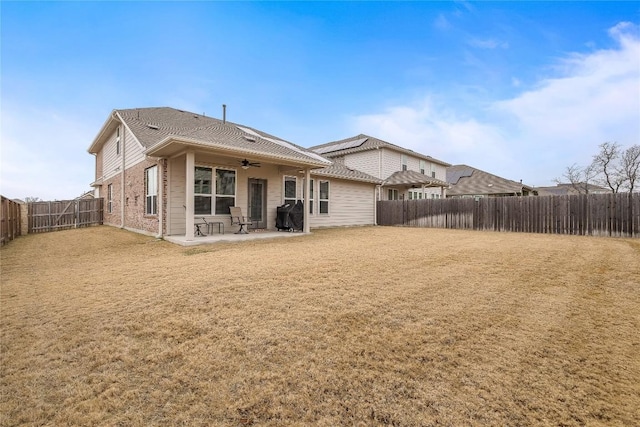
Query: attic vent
153	127
249	138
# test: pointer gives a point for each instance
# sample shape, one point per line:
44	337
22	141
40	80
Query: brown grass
367	326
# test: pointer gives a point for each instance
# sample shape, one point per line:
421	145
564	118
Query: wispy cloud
441	22
536	134
488	43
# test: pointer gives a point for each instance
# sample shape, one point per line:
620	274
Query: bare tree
31	199
579	177
630	167
607	165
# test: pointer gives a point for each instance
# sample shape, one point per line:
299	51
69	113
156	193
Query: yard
365	326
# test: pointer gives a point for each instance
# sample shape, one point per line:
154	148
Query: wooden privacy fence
593	214
64	214
10	218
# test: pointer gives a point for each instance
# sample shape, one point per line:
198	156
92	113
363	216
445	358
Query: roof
339	170
159	128
567	189
409	177
466	180
364	142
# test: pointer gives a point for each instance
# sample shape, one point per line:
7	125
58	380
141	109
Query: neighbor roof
567	189
157	128
466	180
364	142
413	178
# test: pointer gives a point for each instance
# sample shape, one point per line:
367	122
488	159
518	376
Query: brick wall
134	200
135	217
113	217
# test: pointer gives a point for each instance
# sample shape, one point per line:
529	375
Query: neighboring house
86	195
405	174
466	181
160	170
571	189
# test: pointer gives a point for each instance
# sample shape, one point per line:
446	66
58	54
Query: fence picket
64	214
615	215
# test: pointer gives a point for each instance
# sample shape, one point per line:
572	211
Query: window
290	189
392	194
423	165
151	190
433	170
404	162
324	197
118	140
110	198
225	191
311	182
202	191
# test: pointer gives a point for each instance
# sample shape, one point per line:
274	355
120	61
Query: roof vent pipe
224	113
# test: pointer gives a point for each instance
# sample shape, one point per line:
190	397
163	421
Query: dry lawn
367	326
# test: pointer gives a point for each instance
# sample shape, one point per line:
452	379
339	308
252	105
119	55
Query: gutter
206	144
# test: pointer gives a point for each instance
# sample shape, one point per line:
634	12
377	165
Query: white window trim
312	193
213	193
286	199
118	141
110	198
327	200
148	172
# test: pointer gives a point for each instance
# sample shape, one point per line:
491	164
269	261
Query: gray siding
111	162
177	197
365	161
350	203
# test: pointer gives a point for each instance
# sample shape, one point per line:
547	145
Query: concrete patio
231	237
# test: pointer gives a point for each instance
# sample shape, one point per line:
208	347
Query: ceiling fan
246	164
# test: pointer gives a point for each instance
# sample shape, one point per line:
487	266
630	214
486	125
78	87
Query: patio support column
160	202
189	199
307	193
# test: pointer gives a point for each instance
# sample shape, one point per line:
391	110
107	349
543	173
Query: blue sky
519	89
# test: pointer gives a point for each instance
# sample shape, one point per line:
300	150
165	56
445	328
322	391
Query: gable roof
339	170
163	130
568	189
409	177
466	180
364	142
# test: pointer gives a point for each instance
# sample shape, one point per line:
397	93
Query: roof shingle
154	125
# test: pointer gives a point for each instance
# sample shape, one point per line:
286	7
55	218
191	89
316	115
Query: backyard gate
64	214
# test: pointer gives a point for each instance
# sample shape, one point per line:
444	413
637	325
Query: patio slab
231	237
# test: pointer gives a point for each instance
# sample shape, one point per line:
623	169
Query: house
466	181
571	189
404	173
160	170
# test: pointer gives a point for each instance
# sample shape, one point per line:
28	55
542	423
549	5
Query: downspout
122	179
375	204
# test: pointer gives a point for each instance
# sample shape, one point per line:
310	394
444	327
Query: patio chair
238	219
198	227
